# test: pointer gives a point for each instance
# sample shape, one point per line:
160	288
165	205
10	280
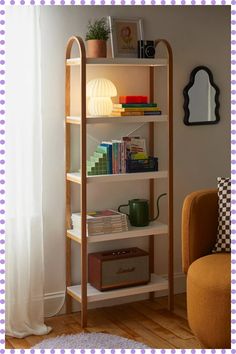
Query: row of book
101	222
111	157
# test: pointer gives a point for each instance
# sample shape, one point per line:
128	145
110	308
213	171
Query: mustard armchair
208	274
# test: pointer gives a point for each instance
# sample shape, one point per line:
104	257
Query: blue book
108	145
152	113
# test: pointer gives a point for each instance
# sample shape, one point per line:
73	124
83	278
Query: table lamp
100	91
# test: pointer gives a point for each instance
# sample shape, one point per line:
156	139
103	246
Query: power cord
59	308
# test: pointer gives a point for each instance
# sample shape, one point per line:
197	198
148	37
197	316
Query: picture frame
125	33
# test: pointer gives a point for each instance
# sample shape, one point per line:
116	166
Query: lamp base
100	106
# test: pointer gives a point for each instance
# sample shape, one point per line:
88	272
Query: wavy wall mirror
201	98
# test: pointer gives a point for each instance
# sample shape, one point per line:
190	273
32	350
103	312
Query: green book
94	159
134	105
90	163
102	150
102	156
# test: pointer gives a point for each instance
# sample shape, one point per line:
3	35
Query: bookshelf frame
82	293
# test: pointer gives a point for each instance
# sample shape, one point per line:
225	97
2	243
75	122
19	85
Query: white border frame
114	48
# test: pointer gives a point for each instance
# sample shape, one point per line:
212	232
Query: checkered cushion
223	233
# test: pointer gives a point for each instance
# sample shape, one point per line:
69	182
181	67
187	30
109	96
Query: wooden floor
146	321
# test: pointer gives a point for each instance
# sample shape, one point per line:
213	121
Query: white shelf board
119	62
75	177
157	283
154	228
124	119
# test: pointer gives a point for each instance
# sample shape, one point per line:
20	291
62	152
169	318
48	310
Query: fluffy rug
89	341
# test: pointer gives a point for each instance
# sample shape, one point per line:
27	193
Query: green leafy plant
99	29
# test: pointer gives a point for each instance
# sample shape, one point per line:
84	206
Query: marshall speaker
119	268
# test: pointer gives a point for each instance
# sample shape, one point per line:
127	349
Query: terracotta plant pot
96	48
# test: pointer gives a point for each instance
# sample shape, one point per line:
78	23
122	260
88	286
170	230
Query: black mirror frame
186	97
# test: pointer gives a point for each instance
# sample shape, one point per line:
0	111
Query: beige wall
199	35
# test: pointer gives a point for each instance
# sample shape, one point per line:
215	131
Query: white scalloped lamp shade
100	92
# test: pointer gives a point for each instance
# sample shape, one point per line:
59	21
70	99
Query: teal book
108	145
114	157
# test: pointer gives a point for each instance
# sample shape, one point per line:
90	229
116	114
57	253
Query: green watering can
139	211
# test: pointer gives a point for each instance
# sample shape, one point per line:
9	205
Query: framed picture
125	33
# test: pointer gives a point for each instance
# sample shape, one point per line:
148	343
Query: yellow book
131	113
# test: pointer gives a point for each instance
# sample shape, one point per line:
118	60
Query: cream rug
89	341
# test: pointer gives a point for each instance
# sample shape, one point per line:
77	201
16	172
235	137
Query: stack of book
135	106
101	222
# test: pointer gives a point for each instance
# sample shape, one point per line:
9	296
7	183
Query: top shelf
119	62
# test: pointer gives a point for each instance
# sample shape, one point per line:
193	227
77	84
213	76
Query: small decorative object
201	98
133	99
139	211
96	37
142	165
146	49
118	268
125	34
100	92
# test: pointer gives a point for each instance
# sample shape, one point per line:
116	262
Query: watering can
139	211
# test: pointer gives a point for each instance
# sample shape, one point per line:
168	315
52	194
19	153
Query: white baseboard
54	302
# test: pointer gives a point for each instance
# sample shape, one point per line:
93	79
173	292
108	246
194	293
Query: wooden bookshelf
118	62
156	284
122	177
154	228
113	120
84	292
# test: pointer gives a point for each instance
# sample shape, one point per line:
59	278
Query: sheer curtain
24	245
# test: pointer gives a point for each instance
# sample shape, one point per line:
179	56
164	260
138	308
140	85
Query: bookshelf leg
68	304
171	296
83	315
68	275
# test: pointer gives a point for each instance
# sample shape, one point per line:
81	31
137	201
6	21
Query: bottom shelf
156	283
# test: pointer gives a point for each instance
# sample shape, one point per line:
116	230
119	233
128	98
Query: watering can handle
158	212
123	205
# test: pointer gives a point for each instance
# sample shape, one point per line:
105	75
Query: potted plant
96	37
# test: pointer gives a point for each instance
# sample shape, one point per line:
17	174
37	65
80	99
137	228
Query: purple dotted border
117	2
233	172
2	170
2	175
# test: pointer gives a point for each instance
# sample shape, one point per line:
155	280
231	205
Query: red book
133	99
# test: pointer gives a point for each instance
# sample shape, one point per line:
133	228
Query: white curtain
24	232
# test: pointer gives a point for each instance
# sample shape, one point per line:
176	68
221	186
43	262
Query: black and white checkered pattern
223	233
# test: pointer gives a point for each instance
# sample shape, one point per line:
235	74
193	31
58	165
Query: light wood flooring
146	321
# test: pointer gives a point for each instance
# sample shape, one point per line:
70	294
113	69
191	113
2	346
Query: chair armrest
199	225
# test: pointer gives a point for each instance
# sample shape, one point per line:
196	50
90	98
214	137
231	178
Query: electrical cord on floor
59	308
